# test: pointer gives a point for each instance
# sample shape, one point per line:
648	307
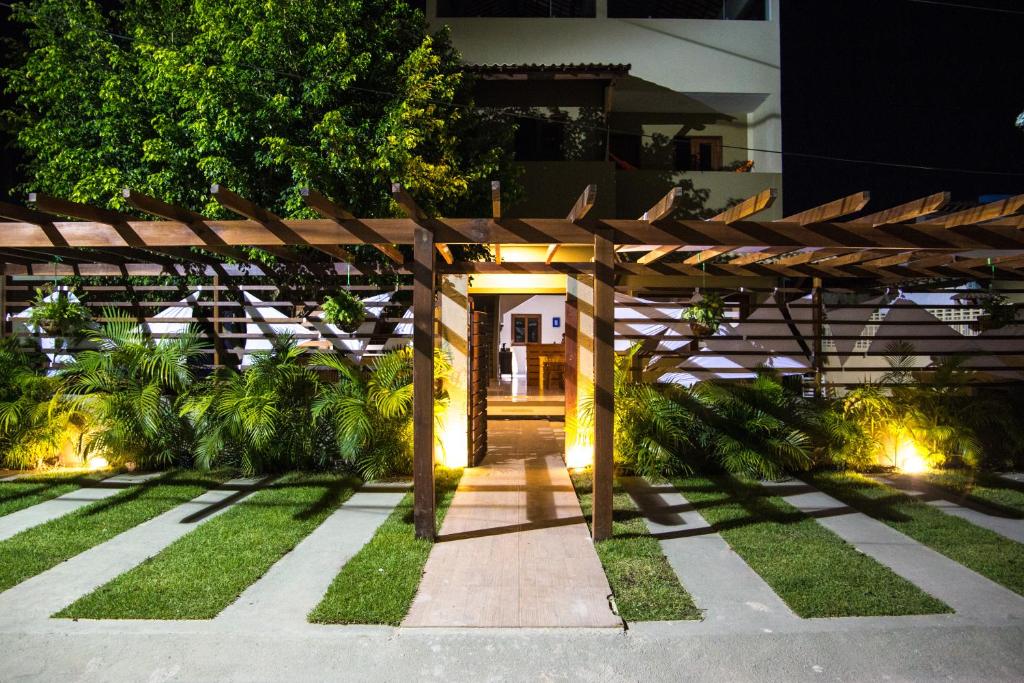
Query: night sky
905	82
889	80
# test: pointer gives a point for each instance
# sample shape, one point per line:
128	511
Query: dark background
886	80
905	82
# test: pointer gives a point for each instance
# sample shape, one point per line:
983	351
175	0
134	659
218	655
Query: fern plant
261	420
131	386
35	428
345	310
370	410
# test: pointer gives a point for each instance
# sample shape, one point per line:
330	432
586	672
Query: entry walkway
514	549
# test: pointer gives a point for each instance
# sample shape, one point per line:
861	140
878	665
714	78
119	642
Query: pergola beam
328	209
496	213
748	207
905	212
584	203
414	212
62	207
979	214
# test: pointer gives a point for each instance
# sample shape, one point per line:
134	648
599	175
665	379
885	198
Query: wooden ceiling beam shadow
62	207
328	209
979	214
413	211
584	203
905	212
243	207
748	207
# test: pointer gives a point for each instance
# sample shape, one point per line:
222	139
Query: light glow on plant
579	454
97	462
909	459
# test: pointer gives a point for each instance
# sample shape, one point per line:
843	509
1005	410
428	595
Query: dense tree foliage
168	97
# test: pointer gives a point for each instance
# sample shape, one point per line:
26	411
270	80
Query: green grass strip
378	584
813	570
33	489
206	570
1002	496
645	586
977	548
35	550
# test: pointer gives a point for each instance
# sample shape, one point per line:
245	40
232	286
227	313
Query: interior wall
547	306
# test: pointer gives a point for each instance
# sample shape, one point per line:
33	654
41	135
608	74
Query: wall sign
556	322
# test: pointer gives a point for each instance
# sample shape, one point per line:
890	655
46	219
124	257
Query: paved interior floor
514	549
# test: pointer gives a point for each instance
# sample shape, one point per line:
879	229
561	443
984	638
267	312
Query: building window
540	139
688	9
698	154
516	8
525	329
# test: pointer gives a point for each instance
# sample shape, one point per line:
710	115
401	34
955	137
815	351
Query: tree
168	97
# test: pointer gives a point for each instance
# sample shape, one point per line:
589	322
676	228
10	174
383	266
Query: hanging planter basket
344	310
705	315
58	315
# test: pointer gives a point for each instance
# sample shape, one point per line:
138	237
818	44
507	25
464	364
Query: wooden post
455	322
216	319
572	317
819	324
3	300
423	382
604	382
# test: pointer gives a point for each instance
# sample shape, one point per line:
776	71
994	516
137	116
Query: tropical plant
370	409
55	312
668	429
345	310
261	420
34	428
131	385
938	414
705	315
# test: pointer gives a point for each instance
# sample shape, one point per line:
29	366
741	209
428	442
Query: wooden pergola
897	245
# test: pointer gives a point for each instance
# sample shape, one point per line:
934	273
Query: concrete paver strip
964	590
16	522
54	589
297	582
514	549
1009	527
721	583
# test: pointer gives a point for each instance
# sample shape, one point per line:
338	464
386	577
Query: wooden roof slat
906	212
706	255
815	255
664	206
832	210
584	203
328	209
243	207
413	211
195	221
748	207
978	214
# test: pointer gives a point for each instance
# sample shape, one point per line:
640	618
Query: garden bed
378	584
1001	496
986	552
814	571
203	572
645	586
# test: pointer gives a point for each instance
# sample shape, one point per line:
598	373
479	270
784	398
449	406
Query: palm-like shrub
34	427
130	386
751	428
261	420
370	409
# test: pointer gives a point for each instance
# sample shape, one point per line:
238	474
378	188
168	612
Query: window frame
527	317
